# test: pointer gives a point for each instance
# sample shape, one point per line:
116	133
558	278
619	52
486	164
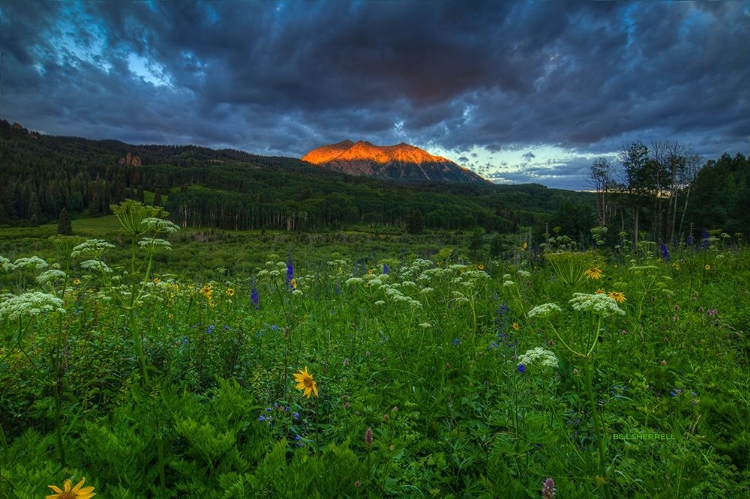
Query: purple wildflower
664	252
386	269
521	368
289	272
548	489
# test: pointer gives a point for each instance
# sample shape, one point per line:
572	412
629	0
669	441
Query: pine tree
64	225
414	222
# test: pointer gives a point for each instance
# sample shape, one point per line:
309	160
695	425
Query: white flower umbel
5	264
96	266
94	247
538	357
155	245
50	276
32	262
159	226
30	304
544	310
599	304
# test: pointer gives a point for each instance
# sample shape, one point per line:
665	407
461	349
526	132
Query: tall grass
163	385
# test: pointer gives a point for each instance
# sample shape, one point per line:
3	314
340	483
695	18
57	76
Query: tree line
667	192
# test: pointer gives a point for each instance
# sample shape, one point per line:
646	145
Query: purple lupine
289	271
664	252
254	298
386	269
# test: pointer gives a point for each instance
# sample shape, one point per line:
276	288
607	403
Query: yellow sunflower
600	291
230	292
617	296
516	327
306	382
593	273
70	492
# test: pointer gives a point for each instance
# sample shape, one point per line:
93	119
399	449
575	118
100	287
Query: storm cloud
465	79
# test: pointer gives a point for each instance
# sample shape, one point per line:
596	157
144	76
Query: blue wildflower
210	329
664	252
386	269
521	368
262	418
289	272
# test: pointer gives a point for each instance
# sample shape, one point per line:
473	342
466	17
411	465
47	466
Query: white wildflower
159	225
524	273
426	290
50	276
30	304
354	280
92	247
155	245
297	292
5	264
538	356
597	303
544	310
32	262
95	265
379	303
508	284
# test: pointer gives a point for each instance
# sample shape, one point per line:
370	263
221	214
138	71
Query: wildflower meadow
615	372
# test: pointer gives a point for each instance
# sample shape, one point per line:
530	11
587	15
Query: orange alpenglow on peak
401	162
363	150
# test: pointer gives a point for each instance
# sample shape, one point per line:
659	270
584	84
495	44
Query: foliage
435	377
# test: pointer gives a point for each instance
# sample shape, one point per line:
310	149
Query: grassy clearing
444	379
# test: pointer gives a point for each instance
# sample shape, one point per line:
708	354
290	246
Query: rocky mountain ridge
397	162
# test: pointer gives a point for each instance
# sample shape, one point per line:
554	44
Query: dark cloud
286	77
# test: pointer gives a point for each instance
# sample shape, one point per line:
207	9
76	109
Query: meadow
369	365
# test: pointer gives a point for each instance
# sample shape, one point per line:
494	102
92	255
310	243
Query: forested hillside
40	175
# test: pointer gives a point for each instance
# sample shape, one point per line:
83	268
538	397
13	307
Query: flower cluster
538	356
601	304
30	304
544	310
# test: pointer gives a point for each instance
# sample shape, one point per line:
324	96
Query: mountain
399	162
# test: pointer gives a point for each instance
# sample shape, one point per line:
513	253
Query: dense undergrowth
614	373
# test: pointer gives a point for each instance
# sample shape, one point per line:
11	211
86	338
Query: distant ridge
398	162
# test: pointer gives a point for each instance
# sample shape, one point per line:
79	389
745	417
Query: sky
519	92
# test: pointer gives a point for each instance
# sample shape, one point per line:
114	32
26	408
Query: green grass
179	383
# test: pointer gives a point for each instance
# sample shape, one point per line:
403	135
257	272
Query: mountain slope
398	162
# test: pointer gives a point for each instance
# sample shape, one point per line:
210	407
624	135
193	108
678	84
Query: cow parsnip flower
544	310
306	383
538	356
32	303
70	492
601	304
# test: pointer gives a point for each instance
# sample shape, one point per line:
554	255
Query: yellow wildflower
70	492
617	296
593	273
516	327
230	292
707	267
305	382
600	291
